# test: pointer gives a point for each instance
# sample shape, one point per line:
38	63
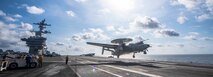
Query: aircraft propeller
102	51
119	48
145	52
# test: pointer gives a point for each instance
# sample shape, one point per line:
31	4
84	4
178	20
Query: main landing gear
133	55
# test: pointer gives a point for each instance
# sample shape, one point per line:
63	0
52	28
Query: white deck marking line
140	69
73	69
107	72
75	72
53	61
133	71
129	70
104	70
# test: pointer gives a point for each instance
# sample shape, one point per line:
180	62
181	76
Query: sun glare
119	5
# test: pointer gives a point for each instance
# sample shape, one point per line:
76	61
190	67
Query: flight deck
82	66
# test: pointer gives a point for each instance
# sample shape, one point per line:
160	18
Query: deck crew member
28	60
40	60
67	59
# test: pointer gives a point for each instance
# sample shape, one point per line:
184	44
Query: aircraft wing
103	45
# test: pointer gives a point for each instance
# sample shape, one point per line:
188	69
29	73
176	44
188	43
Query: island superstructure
37	43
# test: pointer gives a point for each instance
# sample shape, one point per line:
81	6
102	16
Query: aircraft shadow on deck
117	63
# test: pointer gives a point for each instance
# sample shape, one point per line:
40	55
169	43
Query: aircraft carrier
82	66
93	66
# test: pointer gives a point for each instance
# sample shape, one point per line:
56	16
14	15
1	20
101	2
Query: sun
119	6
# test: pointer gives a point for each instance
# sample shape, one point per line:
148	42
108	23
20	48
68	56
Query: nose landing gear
118	56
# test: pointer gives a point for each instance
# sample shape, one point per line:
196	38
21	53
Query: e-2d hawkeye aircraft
120	48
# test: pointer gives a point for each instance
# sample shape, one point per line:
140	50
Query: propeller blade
102	51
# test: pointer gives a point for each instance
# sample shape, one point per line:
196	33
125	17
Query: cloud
144	24
80	1
196	36
70	13
120	30
192	36
137	38
166	32
34	10
194	33
6	17
169	45
110	27
203	9
152	23
7	26
25	34
91	33
10	36
76	37
59	44
56	47
203	17
181	19
207	38
10	19
7	43
181	45
147	22
209	4
26	26
104	11
65	48
17	16
2	13
189	4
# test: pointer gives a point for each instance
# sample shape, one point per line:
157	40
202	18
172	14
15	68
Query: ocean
194	58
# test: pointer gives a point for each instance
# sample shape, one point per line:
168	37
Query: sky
172	26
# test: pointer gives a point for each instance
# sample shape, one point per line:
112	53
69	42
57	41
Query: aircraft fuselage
131	48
